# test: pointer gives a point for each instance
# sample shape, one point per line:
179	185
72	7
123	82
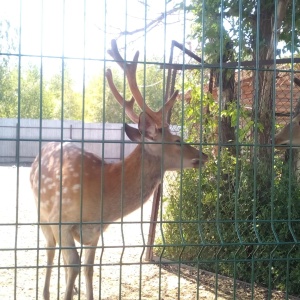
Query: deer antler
168	105
128	105
130	72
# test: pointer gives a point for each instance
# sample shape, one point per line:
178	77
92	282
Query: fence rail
19	139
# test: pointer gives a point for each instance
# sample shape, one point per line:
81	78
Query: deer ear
147	126
133	133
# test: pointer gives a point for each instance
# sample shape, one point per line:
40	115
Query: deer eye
178	141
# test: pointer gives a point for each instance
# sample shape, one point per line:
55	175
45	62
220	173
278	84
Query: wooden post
153	220
171	76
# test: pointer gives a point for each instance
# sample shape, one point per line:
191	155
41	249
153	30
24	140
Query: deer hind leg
89	258
75	290
50	245
63	235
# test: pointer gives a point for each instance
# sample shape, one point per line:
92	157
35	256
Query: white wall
105	140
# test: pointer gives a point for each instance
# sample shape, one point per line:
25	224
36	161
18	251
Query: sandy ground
120	270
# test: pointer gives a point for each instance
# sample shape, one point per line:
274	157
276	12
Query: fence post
17	141
71	132
122	135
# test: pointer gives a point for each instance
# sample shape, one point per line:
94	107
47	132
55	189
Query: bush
235	218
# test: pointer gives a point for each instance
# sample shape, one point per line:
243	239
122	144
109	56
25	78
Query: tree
100	105
67	103
35	99
8	92
8	74
252	31
231	31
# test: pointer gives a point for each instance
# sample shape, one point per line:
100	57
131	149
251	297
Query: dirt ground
120	270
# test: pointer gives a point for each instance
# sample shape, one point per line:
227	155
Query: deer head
153	128
289	134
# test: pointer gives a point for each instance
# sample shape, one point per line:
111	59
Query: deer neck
134	180
147	170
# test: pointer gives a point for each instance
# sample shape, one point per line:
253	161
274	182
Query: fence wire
226	229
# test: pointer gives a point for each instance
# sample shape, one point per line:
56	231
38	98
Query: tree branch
151	24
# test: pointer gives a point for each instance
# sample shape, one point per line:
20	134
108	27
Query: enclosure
222	171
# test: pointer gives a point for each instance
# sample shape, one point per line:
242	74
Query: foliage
232	31
23	92
66	102
218	23
56	97
7	76
101	105
26	92
239	216
229	217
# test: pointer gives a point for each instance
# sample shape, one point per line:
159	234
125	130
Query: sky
79	29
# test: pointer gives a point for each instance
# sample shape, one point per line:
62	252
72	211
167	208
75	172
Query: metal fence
229	230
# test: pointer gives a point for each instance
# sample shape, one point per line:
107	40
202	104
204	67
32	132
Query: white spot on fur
75	188
51	186
66	201
65	190
75	175
47	180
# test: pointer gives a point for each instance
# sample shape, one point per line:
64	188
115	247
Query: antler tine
168	106
128	105
115	54
130	71
171	101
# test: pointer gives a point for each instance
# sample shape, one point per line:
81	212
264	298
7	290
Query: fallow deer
289	134
78	194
